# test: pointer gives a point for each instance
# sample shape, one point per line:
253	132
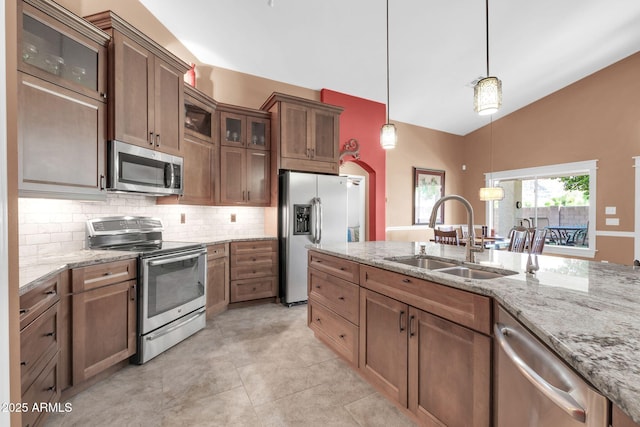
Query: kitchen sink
452	268
472	273
428	263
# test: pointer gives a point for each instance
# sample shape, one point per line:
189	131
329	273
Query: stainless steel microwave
141	170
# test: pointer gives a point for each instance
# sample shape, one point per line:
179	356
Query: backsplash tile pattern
58	226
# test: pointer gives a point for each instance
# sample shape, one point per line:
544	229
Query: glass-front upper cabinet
233	129
259	133
198	114
57	46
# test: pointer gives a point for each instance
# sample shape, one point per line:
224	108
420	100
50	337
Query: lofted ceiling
437	48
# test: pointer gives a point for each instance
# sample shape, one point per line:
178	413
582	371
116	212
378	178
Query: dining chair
518	239
537	238
446	237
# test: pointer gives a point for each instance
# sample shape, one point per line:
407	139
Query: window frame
587	167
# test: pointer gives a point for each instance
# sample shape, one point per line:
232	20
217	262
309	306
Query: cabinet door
325	136
295	123
383	343
168	103
61	140
258	177
104	328
217	285
445	360
132	104
233	128
233	175
258	133
199	160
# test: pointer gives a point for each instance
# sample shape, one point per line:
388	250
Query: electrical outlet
183	218
233	217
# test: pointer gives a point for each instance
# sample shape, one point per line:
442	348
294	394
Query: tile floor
254	366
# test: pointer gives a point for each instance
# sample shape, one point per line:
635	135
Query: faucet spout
471	247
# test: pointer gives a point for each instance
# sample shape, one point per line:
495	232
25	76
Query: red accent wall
362	120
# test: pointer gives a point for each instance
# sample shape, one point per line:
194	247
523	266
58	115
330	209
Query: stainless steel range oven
171	280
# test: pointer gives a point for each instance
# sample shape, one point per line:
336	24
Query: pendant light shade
487	93
388	133
487	96
388	136
488	194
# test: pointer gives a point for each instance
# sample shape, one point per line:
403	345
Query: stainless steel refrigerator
312	209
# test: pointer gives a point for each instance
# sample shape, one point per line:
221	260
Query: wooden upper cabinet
305	135
61	109
146	92
244	127
200	152
258	178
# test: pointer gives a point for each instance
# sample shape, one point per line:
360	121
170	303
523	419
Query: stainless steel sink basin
452	268
471	273
428	263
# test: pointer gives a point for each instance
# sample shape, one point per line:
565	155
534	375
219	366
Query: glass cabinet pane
258	133
233	129
197	119
57	54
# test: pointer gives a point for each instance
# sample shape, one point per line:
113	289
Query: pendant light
388	133
487	93
488	194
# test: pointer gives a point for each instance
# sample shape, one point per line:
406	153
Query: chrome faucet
471	246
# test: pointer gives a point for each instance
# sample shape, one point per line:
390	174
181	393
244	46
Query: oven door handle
176	259
164	332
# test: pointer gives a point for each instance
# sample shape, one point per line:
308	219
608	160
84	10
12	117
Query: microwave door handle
172	175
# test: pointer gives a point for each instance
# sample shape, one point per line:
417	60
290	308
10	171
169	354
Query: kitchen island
587	312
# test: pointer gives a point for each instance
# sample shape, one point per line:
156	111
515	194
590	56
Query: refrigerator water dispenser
302	224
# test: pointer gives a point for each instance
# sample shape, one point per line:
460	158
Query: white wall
4	250
51	227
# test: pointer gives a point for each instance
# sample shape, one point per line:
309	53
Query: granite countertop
50	265
588	312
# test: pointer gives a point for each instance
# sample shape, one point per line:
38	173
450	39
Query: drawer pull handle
406	280
341	298
318	319
52	388
108	273
341	336
254	289
23	363
24	310
49	334
253	259
412	332
51	292
341	268
400	320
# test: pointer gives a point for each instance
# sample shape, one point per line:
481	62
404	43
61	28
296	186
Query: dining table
566	235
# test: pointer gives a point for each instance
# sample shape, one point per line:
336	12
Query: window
560	198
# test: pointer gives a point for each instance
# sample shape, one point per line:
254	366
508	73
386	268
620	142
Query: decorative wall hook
350	148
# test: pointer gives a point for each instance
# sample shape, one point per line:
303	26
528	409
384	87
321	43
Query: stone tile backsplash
58	226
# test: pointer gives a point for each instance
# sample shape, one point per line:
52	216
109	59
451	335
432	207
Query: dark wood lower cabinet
437	369
104	328
217	278
449	372
383	343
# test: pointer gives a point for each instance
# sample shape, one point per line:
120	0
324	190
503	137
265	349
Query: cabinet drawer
43	390
462	307
38	341
96	276
251	272
36	301
335	266
257	259
339	295
253	246
245	290
217	251
335	331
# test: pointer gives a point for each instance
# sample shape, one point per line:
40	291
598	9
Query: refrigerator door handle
319	232
314	213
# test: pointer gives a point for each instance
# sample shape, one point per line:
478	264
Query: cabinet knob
341	298
52	388
318	319
49	334
108	273
103	95
341	336
406	280
23	363
24	310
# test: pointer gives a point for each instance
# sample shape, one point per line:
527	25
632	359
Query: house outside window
559	198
